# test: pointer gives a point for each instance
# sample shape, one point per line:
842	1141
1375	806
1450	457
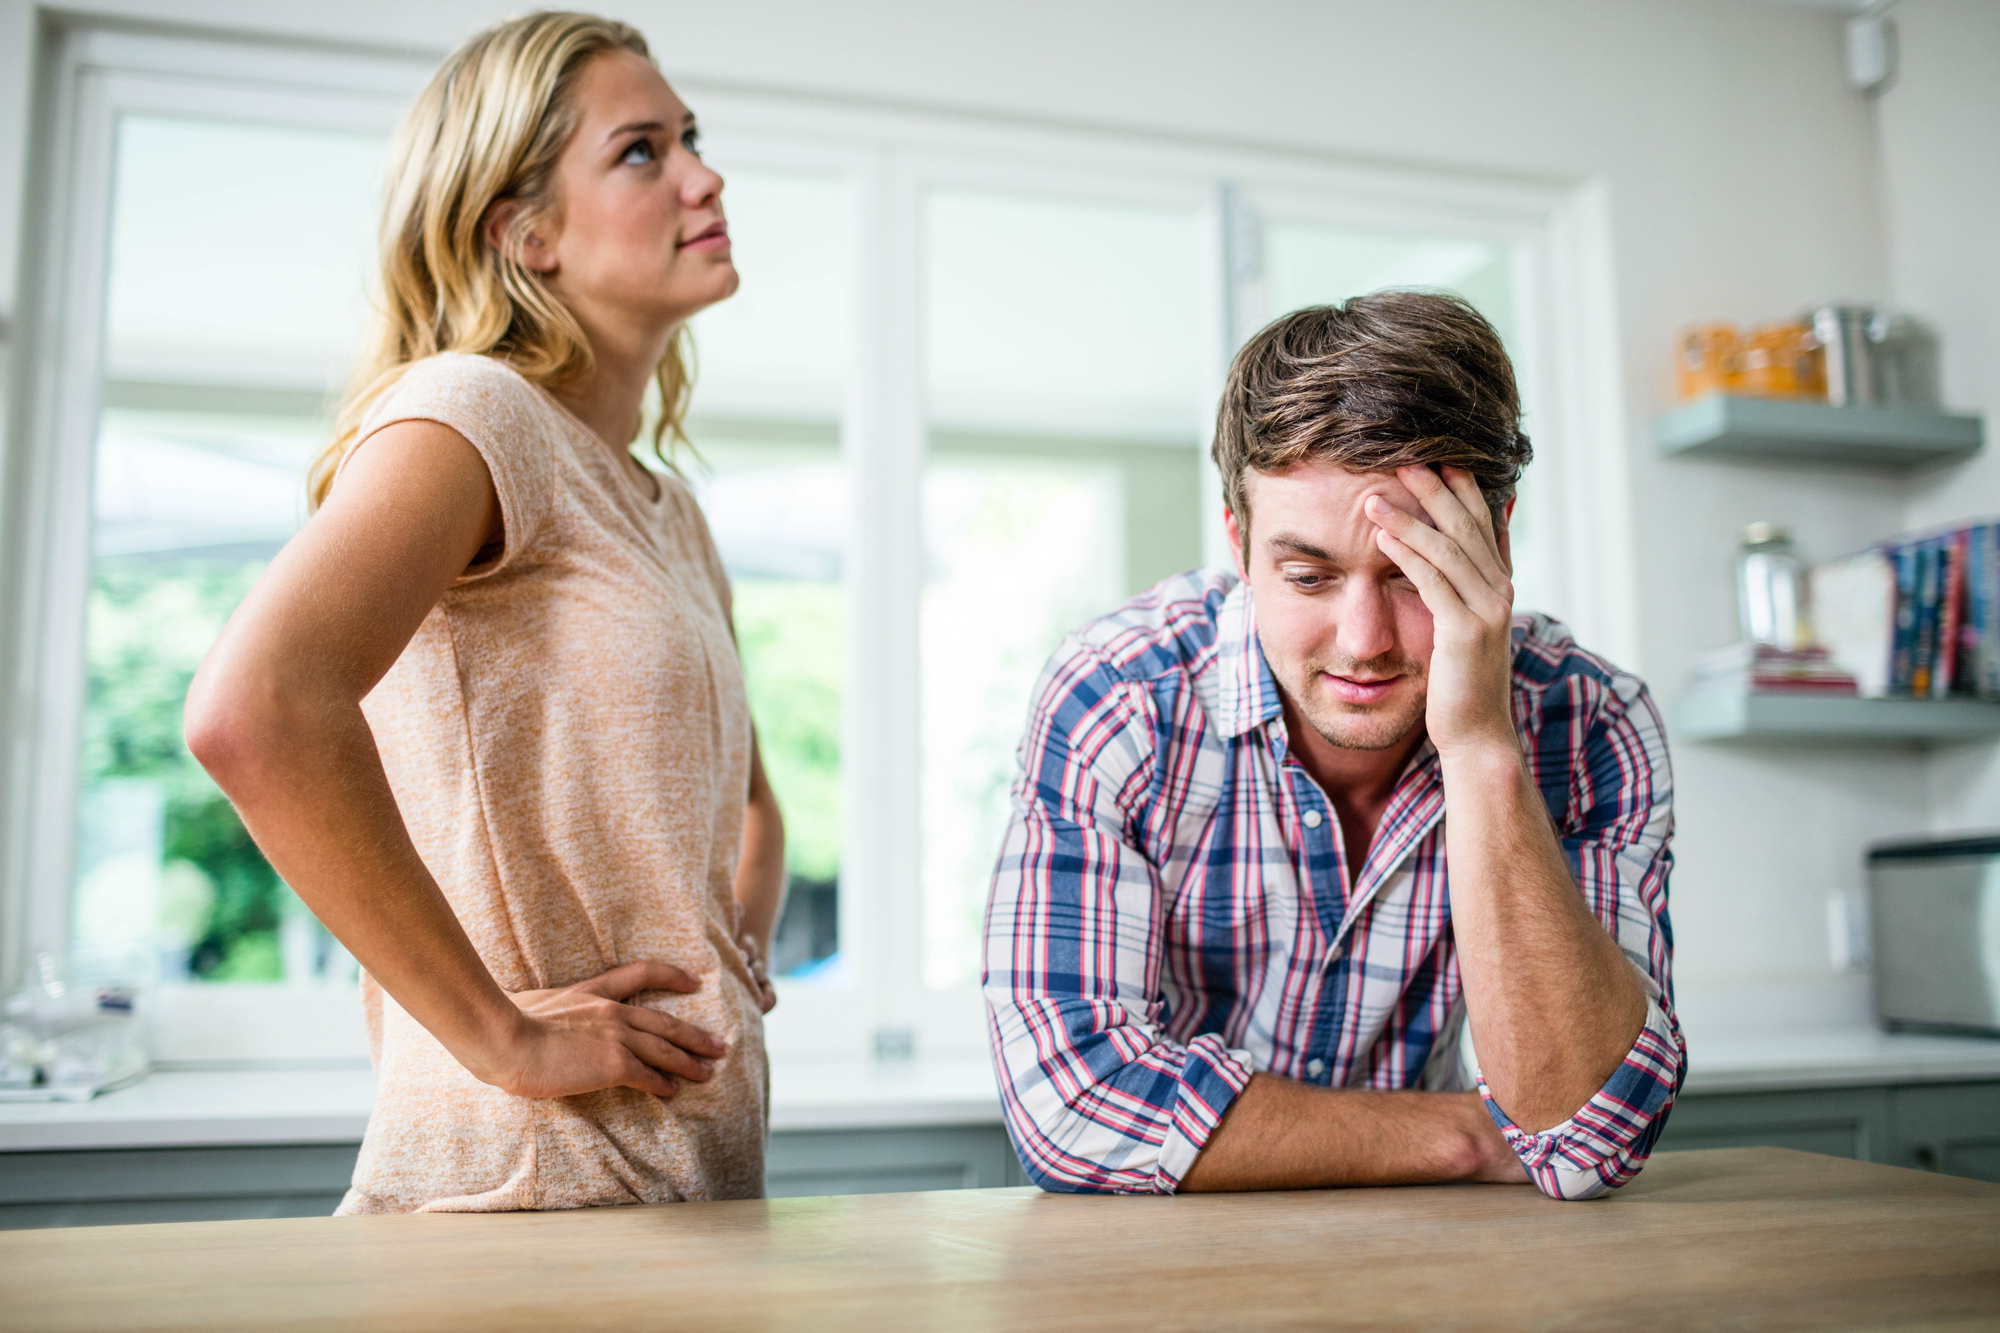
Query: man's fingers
668	1028
1455	504
1466	487
1442	555
1434	587
631	978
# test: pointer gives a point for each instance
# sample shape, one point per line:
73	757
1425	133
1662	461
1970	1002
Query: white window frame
1557	232
98	76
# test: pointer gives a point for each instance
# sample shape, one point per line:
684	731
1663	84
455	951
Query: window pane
778	511
264	283
1309	263
766	421
227	326
1063	343
1062	317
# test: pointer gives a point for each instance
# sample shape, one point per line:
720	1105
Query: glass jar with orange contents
1780	361
1707	357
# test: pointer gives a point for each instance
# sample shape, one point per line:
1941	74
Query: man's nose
1367	628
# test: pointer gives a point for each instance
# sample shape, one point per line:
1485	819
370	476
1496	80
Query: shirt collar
1248	691
1248	694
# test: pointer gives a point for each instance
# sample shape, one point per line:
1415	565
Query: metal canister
1842	331
1906	359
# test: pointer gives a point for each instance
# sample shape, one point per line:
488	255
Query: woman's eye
691	140
638	152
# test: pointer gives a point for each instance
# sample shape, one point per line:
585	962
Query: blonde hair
490	126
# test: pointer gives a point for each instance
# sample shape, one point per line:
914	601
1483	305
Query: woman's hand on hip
767	994
581	1038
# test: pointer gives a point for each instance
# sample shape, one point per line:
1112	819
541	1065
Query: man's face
1345	632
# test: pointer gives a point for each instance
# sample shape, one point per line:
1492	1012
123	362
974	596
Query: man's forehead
1326	489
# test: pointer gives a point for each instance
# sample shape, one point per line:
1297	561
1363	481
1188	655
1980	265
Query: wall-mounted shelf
1721	426
1727	714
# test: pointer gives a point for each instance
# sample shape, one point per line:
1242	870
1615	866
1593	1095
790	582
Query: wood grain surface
1749	1239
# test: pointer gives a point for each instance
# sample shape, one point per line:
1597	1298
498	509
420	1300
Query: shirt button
1313	819
1315	1067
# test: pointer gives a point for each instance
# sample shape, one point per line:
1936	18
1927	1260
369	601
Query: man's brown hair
1393	379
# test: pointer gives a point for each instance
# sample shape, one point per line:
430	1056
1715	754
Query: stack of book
1917	617
1760	668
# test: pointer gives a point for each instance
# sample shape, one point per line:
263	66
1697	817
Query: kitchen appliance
1934	912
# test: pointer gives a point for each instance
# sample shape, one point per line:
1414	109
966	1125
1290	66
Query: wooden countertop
1751	1238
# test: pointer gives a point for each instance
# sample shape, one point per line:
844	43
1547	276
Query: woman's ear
523	245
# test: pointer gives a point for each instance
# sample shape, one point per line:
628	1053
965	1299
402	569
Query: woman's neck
610	398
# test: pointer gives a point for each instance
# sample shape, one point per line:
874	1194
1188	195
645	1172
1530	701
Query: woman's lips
1351	691
714	238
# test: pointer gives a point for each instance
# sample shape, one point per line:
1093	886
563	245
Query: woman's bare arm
760	875
274	715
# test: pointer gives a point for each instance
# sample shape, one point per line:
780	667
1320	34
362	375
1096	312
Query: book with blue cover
1918	616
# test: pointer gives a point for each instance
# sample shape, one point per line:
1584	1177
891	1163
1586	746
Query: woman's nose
701	186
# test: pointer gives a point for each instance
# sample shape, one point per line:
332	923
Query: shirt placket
1312	832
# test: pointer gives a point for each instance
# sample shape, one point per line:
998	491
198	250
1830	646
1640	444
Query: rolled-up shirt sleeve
1617	830
1096	1098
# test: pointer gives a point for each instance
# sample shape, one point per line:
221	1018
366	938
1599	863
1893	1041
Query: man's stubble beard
1347	729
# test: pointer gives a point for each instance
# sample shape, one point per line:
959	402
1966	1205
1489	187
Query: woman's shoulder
460	386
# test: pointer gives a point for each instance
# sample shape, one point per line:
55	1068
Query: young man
1221	953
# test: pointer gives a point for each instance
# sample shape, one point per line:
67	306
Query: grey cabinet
112	1186
1840	1122
1948	1127
889	1161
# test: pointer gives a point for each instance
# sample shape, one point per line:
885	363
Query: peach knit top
568	740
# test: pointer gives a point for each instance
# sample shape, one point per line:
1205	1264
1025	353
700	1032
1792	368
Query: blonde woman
484	713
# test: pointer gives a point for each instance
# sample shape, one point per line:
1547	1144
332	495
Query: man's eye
638	152
1307	581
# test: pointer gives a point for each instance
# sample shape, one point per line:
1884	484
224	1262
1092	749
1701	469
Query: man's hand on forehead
1396	492
1453	557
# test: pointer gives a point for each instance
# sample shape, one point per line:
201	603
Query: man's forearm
1552	1004
1280	1134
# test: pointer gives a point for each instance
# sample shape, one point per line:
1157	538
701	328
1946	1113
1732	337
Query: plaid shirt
1173	908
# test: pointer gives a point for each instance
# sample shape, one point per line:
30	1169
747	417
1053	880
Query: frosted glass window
240	254
779	515
1063	345
780	346
1065	317
774	364
199	479
1308	263
1017	555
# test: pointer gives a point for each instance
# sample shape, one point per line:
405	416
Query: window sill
211	1107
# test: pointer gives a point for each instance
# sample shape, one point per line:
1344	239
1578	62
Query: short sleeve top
568	741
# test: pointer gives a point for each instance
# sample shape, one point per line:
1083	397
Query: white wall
1940	130
1744	181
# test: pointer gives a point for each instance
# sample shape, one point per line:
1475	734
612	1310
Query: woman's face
640	243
